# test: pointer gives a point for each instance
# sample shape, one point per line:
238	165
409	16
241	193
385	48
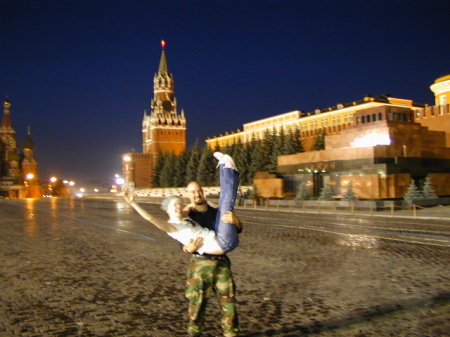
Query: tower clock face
167	105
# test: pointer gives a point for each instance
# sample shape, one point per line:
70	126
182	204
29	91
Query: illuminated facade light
373	139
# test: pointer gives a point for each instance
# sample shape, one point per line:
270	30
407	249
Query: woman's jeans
226	233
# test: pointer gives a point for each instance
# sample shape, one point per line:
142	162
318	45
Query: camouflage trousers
206	276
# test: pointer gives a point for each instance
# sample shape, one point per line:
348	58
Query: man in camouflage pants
209	273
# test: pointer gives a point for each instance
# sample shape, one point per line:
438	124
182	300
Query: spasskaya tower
163	129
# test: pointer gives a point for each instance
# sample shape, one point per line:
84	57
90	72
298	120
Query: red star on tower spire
163	43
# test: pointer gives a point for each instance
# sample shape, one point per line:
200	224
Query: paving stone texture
93	267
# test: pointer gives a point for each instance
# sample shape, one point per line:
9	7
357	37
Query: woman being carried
224	238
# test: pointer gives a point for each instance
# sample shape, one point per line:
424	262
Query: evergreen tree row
198	164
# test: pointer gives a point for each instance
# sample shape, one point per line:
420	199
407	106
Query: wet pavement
93	267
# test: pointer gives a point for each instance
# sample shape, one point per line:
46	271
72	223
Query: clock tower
163	129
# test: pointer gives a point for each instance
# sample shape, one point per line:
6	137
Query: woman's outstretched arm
129	196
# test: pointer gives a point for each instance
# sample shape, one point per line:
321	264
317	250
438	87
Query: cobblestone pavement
92	267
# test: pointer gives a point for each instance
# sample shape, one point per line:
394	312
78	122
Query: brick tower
163	130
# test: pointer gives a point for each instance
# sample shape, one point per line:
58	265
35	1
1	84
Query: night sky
80	73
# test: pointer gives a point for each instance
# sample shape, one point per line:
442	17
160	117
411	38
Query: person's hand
193	245
187	209
129	194
229	217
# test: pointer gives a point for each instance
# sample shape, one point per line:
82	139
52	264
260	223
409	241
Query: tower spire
163	68
6	121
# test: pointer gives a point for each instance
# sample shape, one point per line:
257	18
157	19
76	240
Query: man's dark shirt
205	219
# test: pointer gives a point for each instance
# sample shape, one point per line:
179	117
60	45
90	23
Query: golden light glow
372	139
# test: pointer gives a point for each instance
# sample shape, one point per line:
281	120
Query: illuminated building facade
163	130
376	145
18	170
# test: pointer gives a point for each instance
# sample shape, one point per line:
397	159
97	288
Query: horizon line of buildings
377	145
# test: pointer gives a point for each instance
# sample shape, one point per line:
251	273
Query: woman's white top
187	231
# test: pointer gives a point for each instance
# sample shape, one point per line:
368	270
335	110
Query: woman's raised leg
226	233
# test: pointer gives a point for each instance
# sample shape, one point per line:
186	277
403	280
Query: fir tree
281	140
192	167
168	171
349	195
157	170
180	168
242	159
326	193
256	161
232	149
412	192
298	141
275	152
238	154
267	144
290	144
427	190
319	142
207	172
302	193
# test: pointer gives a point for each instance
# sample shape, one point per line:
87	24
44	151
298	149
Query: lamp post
28	177
128	171
118	181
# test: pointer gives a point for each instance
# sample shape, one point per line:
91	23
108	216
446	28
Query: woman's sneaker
225	159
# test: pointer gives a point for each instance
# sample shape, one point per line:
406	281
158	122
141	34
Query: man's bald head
195	193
